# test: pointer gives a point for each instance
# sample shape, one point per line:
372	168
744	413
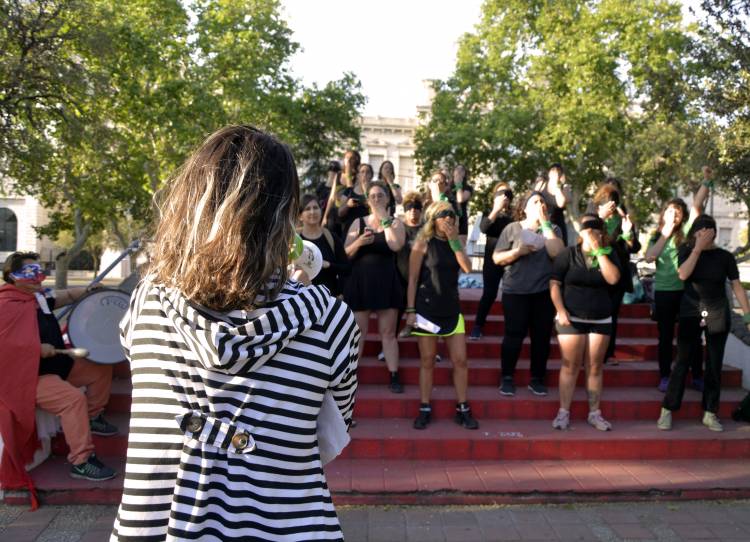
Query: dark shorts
583	328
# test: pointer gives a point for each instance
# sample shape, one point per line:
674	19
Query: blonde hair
428	230
226	220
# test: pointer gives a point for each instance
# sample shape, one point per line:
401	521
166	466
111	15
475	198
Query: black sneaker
395	386
425	413
93	470
100	426
537	388
464	418
476	333
507	387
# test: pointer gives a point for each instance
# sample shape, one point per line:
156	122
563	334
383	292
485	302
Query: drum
94	324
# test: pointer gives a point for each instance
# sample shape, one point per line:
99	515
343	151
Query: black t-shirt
493	230
585	291
49	332
706	285
556	215
331	276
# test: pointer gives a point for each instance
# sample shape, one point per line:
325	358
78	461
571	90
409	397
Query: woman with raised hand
374	286
335	262
492	225
674	224
579	288
556	192
526	248
232	362
608	204
704	310
387	174
434	309
353	199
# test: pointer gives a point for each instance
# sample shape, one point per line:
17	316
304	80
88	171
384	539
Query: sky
391	45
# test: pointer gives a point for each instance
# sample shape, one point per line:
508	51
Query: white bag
332	434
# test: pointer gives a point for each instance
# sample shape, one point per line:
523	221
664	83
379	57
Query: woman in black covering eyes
704	309
581	278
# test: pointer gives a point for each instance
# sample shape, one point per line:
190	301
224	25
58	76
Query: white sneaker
562	420
712	422
665	420
381	356
596	420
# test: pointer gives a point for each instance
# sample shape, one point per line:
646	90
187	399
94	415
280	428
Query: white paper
332	434
425	325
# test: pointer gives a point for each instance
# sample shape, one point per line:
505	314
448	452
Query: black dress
374	281
437	290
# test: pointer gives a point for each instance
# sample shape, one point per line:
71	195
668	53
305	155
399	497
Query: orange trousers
64	398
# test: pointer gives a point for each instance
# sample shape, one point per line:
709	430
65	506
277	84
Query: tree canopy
101	100
602	86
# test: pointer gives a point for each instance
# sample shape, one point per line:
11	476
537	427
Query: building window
8	230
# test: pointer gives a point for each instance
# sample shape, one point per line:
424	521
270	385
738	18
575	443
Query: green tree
724	54
573	82
148	79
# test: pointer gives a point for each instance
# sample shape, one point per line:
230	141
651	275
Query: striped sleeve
345	353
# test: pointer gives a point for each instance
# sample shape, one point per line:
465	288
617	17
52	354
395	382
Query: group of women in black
411	265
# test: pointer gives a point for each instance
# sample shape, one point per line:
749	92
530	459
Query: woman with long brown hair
608	204
374	286
230	360
673	226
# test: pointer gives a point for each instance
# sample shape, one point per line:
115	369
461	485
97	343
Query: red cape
19	366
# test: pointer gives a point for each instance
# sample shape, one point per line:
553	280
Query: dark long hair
677	234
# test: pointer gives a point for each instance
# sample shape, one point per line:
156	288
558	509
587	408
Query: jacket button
195	424
240	440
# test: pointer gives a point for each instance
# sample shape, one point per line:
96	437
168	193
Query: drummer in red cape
35	375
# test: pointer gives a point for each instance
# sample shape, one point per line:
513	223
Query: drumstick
73	352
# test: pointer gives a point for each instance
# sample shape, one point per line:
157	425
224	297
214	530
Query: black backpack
742	412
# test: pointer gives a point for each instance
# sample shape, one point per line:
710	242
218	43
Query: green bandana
601	251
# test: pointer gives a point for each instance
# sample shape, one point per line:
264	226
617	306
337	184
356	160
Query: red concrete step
461	482
486	372
470	303
500	440
375	402
495	326
627	348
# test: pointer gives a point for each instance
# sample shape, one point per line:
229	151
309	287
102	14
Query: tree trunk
82	233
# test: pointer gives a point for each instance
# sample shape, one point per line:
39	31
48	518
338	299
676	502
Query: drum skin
94	322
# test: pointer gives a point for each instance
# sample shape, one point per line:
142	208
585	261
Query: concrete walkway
723	521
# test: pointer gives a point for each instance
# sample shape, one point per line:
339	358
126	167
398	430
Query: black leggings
532	313
616	299
667	307
491	275
688	348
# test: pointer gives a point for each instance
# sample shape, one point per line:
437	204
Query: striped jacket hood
242	341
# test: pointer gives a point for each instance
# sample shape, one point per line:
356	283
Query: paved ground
717	520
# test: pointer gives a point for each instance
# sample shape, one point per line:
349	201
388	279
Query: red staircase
515	456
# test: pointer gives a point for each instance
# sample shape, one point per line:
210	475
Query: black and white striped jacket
222	442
